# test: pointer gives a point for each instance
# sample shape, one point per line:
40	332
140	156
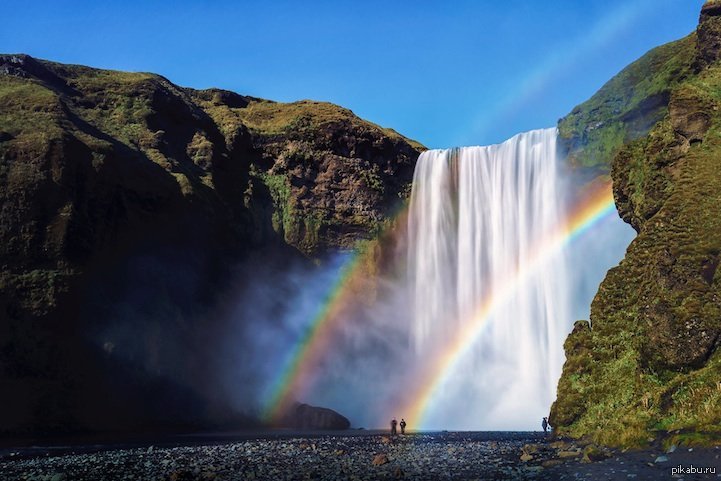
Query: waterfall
477	216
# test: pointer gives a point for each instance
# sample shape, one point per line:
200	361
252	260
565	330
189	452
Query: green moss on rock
649	365
627	106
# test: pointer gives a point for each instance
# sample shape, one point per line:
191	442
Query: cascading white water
478	254
477	216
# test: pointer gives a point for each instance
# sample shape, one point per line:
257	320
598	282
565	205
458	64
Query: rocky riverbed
361	456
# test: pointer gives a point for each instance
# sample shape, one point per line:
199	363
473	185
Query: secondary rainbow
595	206
316	340
549	68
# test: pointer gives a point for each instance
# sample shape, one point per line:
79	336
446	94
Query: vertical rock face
332	178
650	362
709	34
125	203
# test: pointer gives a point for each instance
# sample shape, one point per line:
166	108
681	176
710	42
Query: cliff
626	107
648	364
126	203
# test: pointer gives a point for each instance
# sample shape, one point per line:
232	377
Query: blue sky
443	73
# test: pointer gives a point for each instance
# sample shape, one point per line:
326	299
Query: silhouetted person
394	423
403	426
544	424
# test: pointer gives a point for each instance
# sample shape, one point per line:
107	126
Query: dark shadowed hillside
127	204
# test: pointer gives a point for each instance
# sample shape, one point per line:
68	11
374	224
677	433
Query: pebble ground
420	456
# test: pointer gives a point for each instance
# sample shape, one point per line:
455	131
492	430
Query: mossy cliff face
626	107
125	202
649	363
332	177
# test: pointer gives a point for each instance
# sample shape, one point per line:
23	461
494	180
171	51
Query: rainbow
596	205
316	340
532	82
319	336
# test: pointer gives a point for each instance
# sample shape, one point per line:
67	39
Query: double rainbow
596	204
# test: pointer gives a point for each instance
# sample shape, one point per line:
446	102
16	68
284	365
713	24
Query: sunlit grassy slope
648	364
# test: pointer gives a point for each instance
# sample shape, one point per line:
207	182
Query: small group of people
394	423
545	425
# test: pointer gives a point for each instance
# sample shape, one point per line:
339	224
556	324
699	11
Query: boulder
593	453
304	416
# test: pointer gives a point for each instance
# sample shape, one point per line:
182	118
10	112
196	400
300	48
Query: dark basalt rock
330	178
126	202
304	416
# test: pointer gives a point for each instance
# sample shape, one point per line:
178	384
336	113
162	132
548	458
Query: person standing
544	425
394	423
403	426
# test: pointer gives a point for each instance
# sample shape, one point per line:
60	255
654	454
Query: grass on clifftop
627	106
27	107
274	118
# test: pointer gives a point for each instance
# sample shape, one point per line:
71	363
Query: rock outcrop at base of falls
126	205
307	417
648	364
